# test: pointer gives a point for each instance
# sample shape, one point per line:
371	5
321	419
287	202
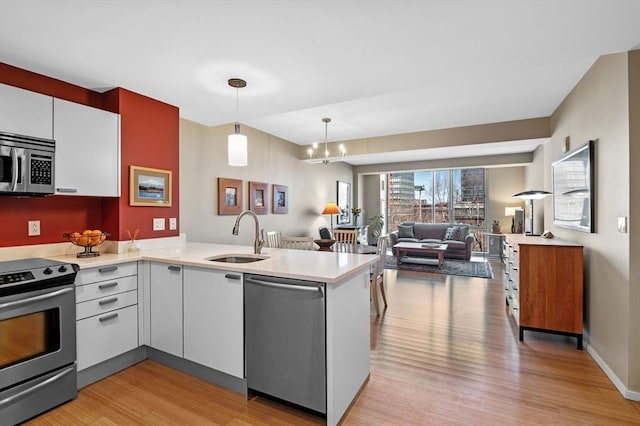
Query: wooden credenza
544	284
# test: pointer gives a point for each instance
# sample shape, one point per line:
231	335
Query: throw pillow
461	234
453	233
405	231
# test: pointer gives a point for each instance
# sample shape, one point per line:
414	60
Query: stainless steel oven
37	337
26	165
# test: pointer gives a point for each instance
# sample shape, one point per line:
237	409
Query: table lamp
535	194
331	208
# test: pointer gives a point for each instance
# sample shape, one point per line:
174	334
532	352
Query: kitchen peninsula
183	296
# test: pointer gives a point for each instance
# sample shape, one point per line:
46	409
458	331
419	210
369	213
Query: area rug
463	268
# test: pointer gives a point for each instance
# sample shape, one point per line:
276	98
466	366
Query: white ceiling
377	67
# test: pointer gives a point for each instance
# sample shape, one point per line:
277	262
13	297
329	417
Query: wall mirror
344	202
573	193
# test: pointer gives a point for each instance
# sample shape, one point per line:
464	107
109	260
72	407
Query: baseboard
628	394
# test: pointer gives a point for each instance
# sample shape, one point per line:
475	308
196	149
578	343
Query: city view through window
437	196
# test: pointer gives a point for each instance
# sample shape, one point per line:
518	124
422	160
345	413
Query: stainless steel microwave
27	165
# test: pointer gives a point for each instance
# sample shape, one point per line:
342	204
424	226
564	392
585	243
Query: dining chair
298	243
273	239
347	236
383	241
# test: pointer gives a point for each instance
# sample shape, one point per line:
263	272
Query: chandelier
326	158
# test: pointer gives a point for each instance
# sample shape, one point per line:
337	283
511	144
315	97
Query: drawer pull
108	317
108	285
174	268
232	276
108	301
108	269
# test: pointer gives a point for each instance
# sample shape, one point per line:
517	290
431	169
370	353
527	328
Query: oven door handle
35	298
40	385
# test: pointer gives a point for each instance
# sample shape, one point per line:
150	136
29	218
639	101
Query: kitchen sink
237	258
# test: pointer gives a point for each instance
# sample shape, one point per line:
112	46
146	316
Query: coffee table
420	248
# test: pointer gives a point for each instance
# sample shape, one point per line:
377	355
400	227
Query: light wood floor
444	352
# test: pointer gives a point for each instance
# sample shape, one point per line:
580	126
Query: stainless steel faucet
258	243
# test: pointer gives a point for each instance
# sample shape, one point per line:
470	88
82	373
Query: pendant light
237	143
326	159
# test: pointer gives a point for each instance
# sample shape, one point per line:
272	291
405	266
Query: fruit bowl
88	240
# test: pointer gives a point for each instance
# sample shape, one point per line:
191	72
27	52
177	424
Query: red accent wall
149	137
149	132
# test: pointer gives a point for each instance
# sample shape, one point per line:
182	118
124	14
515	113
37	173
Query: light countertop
322	266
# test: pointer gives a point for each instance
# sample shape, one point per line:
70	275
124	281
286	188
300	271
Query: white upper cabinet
25	113
87	150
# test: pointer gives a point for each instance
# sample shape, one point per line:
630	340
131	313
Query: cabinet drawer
92	275
102	337
106	288
106	304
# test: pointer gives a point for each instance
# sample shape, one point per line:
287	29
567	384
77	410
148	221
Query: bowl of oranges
89	238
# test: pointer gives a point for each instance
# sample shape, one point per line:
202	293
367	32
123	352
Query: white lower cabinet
166	307
105	336
106	313
213	319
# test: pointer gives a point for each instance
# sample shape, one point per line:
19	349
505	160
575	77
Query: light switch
158	223
622	224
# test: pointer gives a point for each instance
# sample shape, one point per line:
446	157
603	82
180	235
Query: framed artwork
259	197
280	199
344	202
149	187
229	196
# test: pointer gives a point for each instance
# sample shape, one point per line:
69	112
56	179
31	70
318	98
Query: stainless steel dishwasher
285	339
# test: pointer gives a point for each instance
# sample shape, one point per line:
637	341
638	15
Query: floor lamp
529	196
331	208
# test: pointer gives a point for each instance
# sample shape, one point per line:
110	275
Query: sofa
457	237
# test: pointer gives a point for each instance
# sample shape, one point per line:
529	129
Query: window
437	196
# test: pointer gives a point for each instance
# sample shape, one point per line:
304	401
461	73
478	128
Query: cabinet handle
514	308
107	301
108	317
232	276
108	285
108	269
174	268
68	190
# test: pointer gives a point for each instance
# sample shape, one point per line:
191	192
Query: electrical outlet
158	223
34	228
173	224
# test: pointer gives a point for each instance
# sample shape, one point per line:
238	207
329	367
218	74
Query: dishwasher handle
287	286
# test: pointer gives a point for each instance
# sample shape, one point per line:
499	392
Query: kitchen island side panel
348	343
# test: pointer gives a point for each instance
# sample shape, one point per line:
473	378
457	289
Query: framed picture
259	197
229	196
573	189
280	199
149	187
344	202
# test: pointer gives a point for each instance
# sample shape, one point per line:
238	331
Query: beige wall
502	183
203	158
598	109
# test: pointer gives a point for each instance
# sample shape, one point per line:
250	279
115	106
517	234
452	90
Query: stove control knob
62	268
47	271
